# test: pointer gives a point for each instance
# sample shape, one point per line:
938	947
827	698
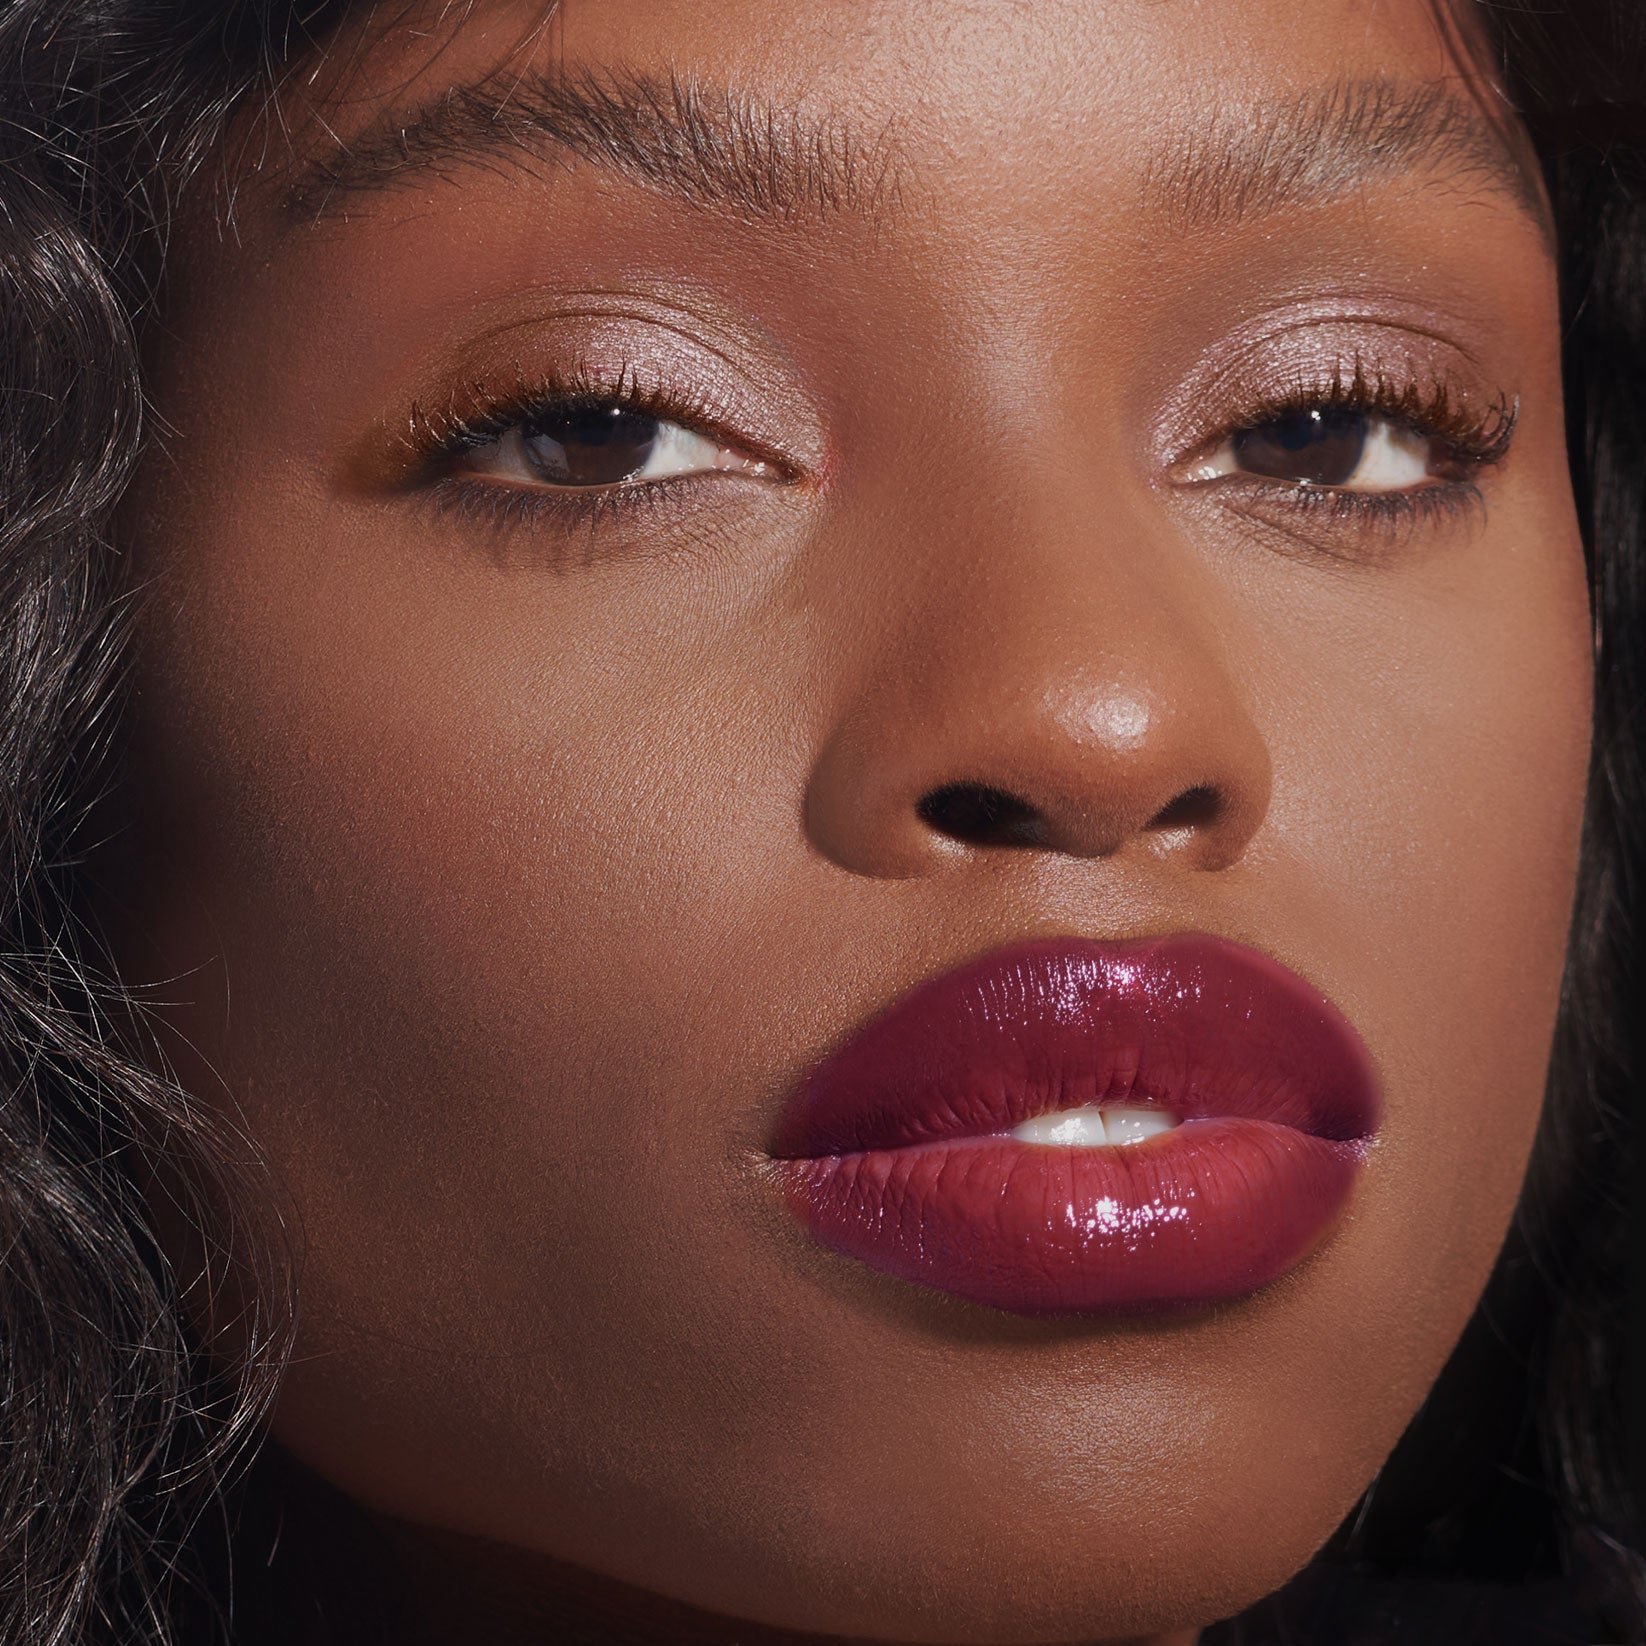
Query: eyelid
1291	355
1474	431
438	438
703	367
1322	522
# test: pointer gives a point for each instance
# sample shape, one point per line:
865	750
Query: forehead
786	104
1058	54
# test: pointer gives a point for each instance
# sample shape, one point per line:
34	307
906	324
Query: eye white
680	450
676	450
1393	459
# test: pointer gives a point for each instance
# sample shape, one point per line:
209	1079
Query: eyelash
589	508
440	437
1473	439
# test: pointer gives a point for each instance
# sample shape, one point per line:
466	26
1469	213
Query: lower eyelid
1436	503
503	505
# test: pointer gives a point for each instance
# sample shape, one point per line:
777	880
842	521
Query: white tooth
1089	1127
1133	1125
1078	1126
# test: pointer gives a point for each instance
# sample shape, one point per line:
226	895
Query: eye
586	445
1343	448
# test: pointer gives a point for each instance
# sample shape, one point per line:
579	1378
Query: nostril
977	815
1195	808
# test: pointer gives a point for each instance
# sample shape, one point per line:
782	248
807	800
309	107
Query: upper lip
1193	1024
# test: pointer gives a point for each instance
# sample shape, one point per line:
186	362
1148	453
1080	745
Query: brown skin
508	873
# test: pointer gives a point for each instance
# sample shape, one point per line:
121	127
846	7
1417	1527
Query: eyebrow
1333	141
719	150
712	149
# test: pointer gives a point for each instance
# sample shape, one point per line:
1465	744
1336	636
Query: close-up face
742	603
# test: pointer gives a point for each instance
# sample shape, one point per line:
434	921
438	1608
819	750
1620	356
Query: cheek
1434	849
503	886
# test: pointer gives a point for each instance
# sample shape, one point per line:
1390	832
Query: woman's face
1094	402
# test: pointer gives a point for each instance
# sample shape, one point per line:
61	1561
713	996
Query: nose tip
1111	775
1057	674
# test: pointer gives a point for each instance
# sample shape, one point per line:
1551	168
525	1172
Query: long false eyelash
478	414
1469	438
474	416
1472	436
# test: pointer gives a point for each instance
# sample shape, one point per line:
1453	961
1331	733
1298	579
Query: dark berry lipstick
1071	1126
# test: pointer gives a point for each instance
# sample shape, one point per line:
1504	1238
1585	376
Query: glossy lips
894	1149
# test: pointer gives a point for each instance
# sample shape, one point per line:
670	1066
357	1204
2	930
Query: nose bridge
1047	670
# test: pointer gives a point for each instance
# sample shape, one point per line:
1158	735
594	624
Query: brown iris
1317	447
588	445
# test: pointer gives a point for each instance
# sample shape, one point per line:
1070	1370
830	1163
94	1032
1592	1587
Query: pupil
1315	448
589	445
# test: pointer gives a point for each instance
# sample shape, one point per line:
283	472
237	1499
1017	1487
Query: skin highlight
508	868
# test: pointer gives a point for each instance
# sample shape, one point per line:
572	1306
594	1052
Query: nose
1075	695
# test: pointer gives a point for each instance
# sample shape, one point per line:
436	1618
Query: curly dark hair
1506	1508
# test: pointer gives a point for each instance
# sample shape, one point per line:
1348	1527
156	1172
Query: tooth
1133	1125
1079	1126
1090	1126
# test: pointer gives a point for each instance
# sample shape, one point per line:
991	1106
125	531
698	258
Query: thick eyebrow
1331	142
711	148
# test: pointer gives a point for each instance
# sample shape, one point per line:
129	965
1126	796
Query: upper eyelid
446	435
746	386
1289	506
682	358
1306	343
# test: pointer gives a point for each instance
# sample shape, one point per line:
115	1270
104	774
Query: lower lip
1212	1210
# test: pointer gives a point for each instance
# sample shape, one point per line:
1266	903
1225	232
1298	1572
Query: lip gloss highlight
896	1148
